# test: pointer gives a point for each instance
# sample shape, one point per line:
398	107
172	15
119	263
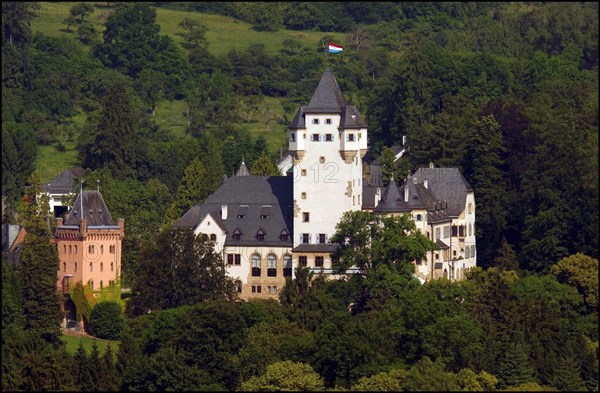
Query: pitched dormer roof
243	171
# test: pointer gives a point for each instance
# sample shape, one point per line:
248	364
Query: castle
265	226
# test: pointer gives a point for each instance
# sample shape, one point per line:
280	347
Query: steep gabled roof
243	171
447	184
94	210
63	183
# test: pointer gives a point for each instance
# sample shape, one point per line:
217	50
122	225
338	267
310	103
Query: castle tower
327	139
89	244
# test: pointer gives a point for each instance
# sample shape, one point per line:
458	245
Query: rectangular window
437	234
322	160
302	260
305	217
322	238
303	172
292	137
305	238
329	137
238	259
253	288
446	231
318	261
315	121
350	137
327	121
303	195
454	230
315	137
258	288
230	259
461	231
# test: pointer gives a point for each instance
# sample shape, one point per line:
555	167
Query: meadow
72	344
224	34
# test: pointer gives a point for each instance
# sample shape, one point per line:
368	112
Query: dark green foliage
109	378
514	365
484	173
178	268
107	320
264	166
431	376
16	20
83	371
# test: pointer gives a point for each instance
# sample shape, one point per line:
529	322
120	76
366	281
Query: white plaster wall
326	183
242	271
208	226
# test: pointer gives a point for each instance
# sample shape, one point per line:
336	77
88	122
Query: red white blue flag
333	48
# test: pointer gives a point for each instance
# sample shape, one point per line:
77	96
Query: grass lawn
50	162
73	344
224	33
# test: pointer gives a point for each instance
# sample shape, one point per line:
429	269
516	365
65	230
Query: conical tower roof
327	95
243	171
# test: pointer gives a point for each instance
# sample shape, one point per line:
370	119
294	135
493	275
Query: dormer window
285	236
260	235
242	211
265	212
237	235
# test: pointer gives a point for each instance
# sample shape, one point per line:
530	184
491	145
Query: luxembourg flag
333	48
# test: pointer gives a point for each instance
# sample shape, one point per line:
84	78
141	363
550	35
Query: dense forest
506	92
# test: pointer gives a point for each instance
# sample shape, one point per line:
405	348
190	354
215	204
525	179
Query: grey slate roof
63	183
368	196
315	248
443	198
250	197
328	98
94	210
447	184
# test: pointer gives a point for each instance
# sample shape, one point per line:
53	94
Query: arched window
102	249
91	267
470	208
64	249
287	265
76	249
419	217
92	285
101	266
75	266
213	237
112	266
467	252
446	273
112	249
255	265
473	251
271	265
64	266
90	249
70	249
101	285
470	228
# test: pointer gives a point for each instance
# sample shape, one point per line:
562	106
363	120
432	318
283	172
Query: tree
507	258
390	381
428	375
38	266
109	377
581	272
87	33
485	176
189	192
16	21
150	86
366	244
107	320
212	103
82	370
482	382
264	166
286	375
113	141
390	168
81	10
514	366
195	35
179	268
567	375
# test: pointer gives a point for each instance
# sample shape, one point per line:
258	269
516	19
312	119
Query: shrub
107	320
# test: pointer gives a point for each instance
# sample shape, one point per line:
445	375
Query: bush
107	320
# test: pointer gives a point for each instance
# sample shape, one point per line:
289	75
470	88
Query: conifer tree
484	172
109	379
507	258
188	192
514	366
81	369
264	166
95	367
39	266
566	375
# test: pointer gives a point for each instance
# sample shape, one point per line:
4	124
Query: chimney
425	183
59	222
431	165
121	223
377	196
224	212
406	193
